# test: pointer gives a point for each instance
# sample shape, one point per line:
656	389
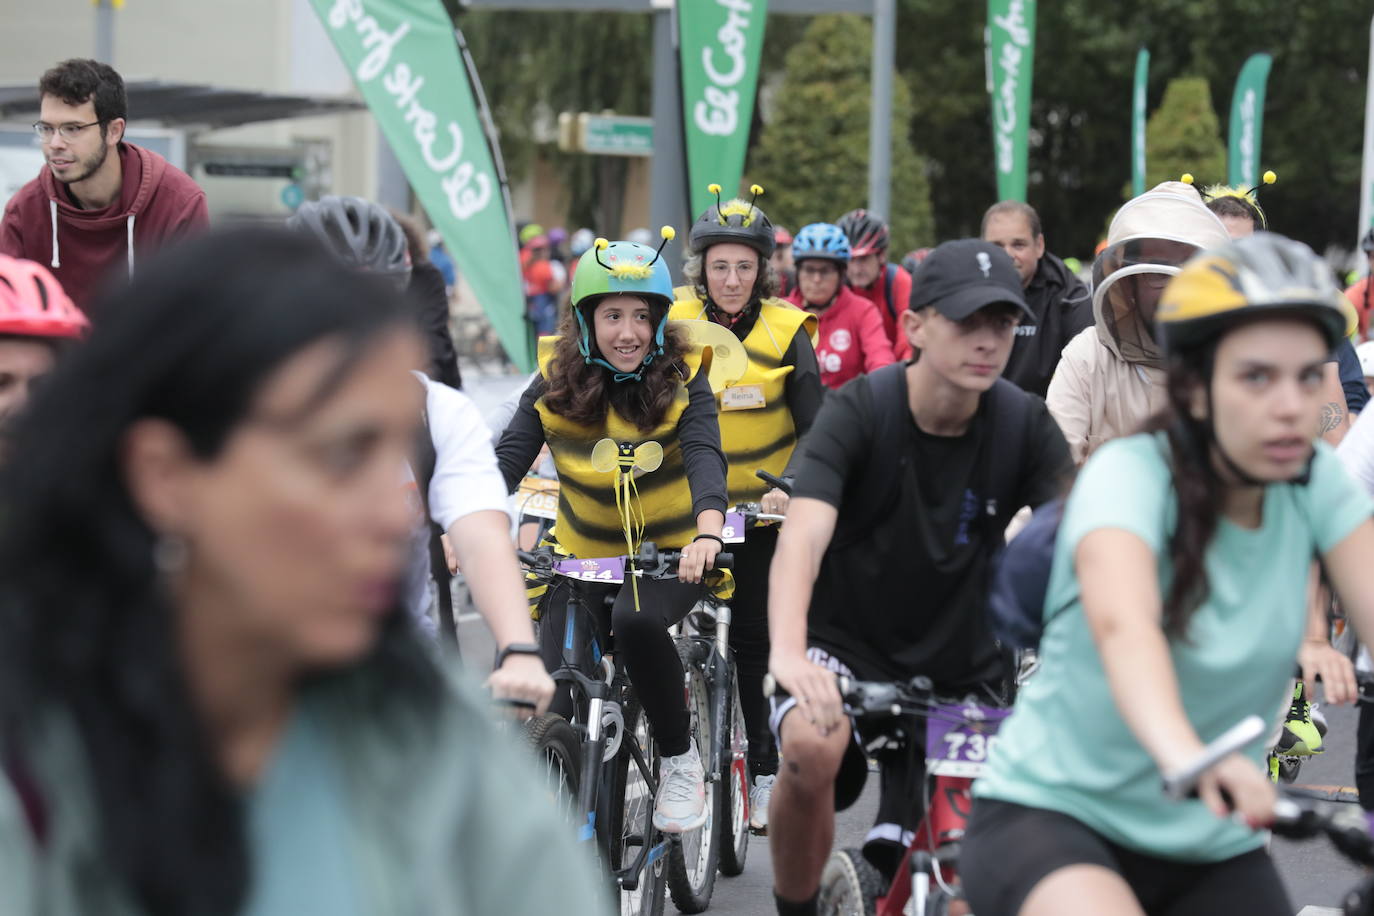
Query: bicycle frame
599	693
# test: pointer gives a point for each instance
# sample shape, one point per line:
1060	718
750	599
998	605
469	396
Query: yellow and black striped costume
588	524
762	437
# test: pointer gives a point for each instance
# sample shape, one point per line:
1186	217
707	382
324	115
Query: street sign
615	135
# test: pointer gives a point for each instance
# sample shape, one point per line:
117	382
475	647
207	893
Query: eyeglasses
68	131
720	269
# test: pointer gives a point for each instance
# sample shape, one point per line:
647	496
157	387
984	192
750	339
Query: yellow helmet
1265	275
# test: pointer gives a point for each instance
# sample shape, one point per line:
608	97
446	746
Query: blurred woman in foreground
210	699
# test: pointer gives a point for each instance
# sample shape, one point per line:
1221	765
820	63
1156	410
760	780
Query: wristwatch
516	648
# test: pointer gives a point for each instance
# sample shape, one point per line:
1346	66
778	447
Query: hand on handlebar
697	558
774	502
1237	786
522	678
813	687
1317	658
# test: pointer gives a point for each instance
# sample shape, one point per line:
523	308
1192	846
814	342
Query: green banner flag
1247	122
1011	56
404	57
720	41
1142	78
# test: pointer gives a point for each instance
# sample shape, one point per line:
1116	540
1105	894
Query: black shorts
1010	848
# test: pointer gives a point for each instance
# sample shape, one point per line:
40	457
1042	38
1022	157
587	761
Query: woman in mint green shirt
1176	608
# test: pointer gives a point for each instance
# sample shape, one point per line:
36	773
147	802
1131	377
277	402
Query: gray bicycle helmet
358	232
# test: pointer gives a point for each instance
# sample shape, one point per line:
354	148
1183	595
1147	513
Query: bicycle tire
558	750
628	818
695	855
734	768
850	886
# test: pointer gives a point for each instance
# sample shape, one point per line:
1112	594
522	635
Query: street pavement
1316	876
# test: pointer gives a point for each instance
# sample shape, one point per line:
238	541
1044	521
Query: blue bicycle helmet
821	241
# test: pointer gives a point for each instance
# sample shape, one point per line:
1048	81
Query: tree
1183	135
599	61
812	155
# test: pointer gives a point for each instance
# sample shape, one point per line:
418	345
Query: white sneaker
681	802
759	797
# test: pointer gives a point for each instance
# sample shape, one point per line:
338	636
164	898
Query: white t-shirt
466	480
1356	452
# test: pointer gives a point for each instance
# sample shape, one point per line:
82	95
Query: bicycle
602	766
713	699
960	734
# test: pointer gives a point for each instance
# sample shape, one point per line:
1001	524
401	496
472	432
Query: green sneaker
1301	735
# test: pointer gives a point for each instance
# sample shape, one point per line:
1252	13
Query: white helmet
1365	352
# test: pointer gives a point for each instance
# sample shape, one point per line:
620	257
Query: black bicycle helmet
734	221
867	234
358	232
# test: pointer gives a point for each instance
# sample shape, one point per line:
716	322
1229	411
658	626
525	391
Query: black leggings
641	639
1009	849
749	639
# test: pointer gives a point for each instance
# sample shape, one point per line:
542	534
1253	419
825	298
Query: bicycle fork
719	672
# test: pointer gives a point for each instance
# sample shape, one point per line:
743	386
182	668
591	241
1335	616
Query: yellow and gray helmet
1263	276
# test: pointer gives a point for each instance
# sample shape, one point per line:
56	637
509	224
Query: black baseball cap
965	275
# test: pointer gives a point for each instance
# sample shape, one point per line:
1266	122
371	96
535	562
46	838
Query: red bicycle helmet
32	303
867	234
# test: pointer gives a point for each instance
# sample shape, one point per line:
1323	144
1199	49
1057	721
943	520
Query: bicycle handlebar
782	483
650	561
1182	783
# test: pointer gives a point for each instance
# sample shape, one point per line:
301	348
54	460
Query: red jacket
850	340
888	311
1362	297
156	202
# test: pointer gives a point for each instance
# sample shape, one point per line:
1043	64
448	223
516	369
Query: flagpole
1367	170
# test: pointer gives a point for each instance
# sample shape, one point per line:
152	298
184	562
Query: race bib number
609	569
538	498
960	738
742	397
733	532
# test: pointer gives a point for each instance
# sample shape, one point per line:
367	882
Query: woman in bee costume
763	413
619	377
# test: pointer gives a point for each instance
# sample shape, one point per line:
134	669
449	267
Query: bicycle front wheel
850	886
636	851
734	782
557	749
695	855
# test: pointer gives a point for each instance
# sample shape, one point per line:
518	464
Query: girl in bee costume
619	371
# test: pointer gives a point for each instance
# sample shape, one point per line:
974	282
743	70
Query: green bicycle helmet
621	269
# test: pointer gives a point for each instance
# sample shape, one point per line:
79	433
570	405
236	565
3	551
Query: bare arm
1352	575
1335	418
1317	657
1122	604
482	543
801	547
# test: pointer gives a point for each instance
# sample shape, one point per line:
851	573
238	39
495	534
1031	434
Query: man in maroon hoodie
99	203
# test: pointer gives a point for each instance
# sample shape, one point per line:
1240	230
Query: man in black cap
904	486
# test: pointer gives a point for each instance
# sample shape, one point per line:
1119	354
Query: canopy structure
191	105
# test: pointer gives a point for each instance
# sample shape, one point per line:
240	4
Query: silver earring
170	554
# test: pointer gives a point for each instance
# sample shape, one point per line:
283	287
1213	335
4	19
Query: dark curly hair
582	392
80	80
87	631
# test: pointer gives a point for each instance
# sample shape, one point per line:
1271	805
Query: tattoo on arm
1333	415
